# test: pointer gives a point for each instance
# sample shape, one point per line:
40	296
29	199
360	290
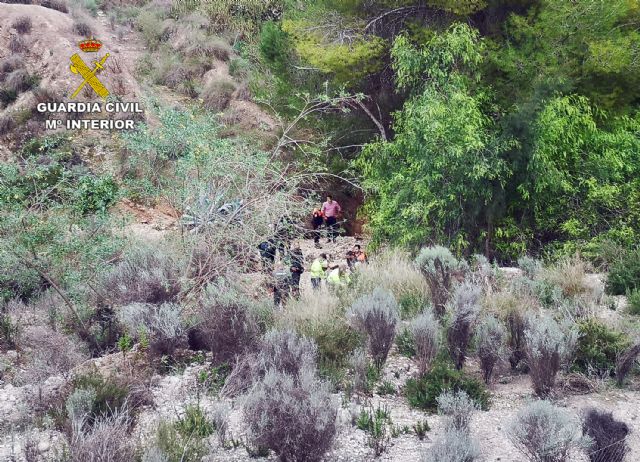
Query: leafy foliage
598	348
441	128
424	391
624	273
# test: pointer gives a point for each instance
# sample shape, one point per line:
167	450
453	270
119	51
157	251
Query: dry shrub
163	324
82	29
425	330
45	95
280	350
453	446
22	24
359	363
440	268
607	434
7	124
394	271
465	306
11	63
48	353
376	315
217	94
220	419
228	326
512	309
570	275
547	346
208	47
296	418
146	275
107	440
59	5
490	337
286	352
17	44
626	362
458	407
18	81
544	432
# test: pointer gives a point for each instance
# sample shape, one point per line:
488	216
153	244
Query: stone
43	446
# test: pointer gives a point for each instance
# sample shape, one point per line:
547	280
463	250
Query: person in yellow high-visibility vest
318	270
338	276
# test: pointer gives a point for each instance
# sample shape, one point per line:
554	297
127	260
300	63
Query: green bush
95	194
239	68
633	301
110	396
174	447
598	348
275	46
194	424
411	304
624	274
405	343
424	391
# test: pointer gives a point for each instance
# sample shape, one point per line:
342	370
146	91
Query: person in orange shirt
360	255
317	220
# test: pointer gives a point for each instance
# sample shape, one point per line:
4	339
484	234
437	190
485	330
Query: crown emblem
90	45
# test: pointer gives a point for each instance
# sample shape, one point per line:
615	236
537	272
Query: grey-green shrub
529	266
425	331
287	352
220	419
376	315
545	433
547	346
108	439
78	405
228	326
163	325
490	337
294	418
458	407
453	446
145	275
465	306
439	266
359	363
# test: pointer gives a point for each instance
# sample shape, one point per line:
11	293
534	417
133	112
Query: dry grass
82	28
17	44
22	24
394	271
11	63
217	95
311	308
18	81
570	275
6	124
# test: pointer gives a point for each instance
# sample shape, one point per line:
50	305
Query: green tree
438	178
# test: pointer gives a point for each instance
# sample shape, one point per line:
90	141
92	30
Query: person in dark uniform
296	266
267	254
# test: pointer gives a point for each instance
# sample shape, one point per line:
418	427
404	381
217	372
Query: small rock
43	446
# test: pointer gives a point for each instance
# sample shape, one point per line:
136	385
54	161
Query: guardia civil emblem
88	74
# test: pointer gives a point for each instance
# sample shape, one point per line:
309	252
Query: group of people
327	216
286	275
336	275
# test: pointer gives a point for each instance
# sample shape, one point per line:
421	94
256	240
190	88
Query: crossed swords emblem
89	75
